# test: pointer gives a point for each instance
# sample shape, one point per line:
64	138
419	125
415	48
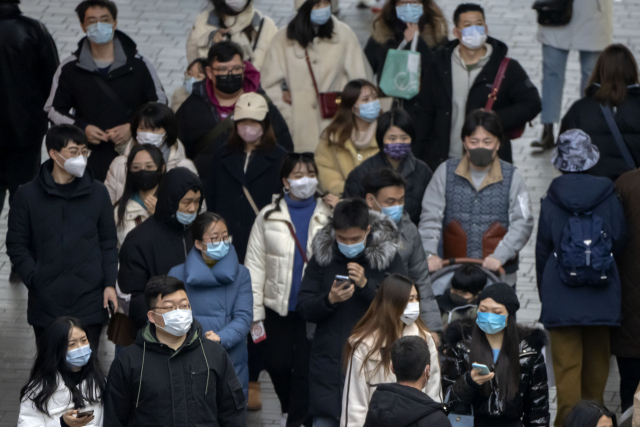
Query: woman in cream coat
336	58
393	313
232	20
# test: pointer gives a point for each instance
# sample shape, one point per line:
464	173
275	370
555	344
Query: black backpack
552	13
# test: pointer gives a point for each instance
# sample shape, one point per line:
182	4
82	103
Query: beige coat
335	163
335	63
362	379
207	24
134	214
118	170
270	255
179	96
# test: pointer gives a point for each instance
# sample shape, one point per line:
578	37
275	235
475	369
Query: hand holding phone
340	290
84	414
344	280
484	370
480	374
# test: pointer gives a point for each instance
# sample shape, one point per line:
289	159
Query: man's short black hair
224	52
59	136
351	213
469	278
10	1
410	356
375	181
464	8
81	9
159	287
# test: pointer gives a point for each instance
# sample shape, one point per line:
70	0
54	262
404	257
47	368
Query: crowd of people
284	213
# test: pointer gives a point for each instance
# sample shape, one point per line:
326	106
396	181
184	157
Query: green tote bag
401	73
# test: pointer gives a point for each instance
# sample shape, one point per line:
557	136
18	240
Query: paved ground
160	28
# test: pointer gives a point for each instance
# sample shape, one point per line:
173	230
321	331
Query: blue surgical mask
184	218
217	251
78	357
393	212
410	13
188	83
321	16
100	32
491	323
352	251
370	111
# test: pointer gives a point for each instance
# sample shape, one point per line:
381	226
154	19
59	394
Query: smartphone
112	309
84	414
344	279
483	368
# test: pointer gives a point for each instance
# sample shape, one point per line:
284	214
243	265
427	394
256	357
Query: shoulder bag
493	96
554	13
617	136
328	102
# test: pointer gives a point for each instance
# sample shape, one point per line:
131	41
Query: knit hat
502	294
575	152
250	106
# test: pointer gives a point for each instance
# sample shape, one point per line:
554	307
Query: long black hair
587	413
129	189
302	30
51	361
507	367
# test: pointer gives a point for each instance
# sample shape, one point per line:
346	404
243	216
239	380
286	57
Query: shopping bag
401	73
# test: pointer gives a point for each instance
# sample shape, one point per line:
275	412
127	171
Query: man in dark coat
104	82
459	80
404	404
62	238
162	241
364	250
28	60
172	375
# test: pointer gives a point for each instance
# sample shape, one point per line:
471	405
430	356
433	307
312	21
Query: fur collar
460	332
383	34
382	243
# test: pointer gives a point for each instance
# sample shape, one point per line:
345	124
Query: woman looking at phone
515	391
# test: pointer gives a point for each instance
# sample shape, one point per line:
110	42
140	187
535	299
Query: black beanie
502	294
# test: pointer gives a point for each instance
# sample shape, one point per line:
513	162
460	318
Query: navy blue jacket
577	306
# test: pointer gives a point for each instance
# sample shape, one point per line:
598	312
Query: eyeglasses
306	155
238	69
173	307
217	240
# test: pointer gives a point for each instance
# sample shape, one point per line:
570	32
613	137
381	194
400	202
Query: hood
198	274
124	49
460	330
8	10
175	184
382	243
148	339
395	405
500	49
44	177
568	192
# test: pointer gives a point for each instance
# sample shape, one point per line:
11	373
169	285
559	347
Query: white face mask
150	138
304	187
177	322
411	313
236	5
74	165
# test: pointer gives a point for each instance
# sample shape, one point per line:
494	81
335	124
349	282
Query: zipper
193	385
528	353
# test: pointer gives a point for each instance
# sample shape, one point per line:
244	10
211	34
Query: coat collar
237	23
260	161
495	172
44	177
123	47
383	34
313	47
198	274
320	213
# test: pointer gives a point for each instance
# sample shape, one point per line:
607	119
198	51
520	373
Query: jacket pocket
238	394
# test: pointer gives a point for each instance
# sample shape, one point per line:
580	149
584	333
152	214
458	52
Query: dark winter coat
65	249
563	305
28	61
395	405
197	116
529	407
518	102
625	341
585	114
224	194
415	171
335	322
150	384
158	244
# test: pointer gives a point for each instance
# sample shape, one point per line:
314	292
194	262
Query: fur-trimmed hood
382	243
459	332
432	36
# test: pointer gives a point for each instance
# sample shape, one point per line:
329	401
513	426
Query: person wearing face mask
173	375
460	300
394	136
101	85
394	313
153	124
515	392
161	242
478	205
66	379
360	245
62	238
284	231
404	404
334	57
459	80
217	283
350	138
195	73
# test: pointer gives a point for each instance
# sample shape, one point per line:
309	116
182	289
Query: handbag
400	76
553	13
493	96
328	102
617	136
460	420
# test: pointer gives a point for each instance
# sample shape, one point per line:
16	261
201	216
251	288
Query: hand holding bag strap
250	200
497	83
617	136
298	245
313	78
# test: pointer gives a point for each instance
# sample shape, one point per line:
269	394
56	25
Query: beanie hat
502	294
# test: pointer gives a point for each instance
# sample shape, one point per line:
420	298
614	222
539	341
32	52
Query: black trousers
93	334
18	166
286	358
100	159
629	369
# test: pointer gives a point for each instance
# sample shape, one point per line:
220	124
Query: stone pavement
160	28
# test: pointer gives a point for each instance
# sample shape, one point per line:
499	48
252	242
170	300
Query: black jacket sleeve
425	115
118	398
374	55
19	238
48	60
133	275
108	239
544	244
523	96
313	301
536	398
458	388
230	398
280	128
353	185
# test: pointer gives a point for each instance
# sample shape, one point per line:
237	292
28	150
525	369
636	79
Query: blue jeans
554	64
325	422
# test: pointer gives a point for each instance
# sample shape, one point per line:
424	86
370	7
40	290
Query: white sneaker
283	420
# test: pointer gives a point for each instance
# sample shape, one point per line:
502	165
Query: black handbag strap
617	136
111	94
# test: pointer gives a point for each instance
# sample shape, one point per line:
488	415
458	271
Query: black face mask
229	83
145	180
458	301
481	157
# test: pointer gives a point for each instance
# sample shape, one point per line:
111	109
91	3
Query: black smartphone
112	309
90	411
345	280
